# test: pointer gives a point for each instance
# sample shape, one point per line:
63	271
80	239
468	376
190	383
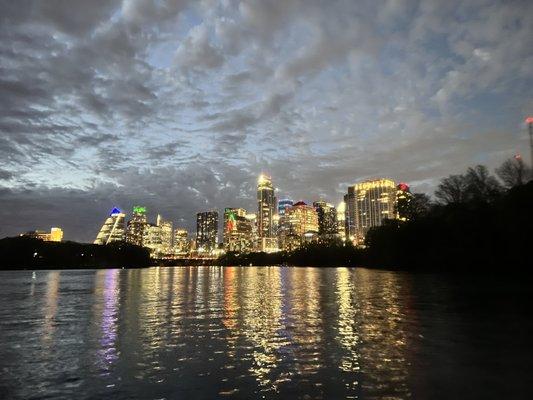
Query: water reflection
50	307
107	290
211	332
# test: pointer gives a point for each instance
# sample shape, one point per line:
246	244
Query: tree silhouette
513	172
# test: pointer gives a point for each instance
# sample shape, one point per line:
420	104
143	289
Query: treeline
30	253
477	222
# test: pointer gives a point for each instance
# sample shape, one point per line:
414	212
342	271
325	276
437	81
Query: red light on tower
404	187
529	120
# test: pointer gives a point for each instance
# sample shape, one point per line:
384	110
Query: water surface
260	332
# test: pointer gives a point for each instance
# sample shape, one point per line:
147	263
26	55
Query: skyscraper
266	209
238	230
181	241
113	228
327	220
367	204
166	234
299	223
206	230
403	201
136	226
283	204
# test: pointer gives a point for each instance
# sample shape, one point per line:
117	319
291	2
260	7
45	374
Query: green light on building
139	210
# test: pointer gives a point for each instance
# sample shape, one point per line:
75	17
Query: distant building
166	235
368	204
55	235
327	220
152	239
206	231
238	230
181	241
113	228
266	210
341	220
403	201
299	223
283	204
136	226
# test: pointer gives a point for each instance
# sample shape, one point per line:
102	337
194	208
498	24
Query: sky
179	105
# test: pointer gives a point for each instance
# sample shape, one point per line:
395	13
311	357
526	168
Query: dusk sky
180	105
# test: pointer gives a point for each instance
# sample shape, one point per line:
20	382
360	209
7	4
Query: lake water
261	332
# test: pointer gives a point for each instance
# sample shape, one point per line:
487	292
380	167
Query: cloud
179	105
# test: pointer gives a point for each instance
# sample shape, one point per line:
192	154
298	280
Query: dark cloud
179	105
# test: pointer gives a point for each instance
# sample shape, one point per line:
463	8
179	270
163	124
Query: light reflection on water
253	332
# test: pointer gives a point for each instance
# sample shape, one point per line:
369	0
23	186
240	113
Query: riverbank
29	253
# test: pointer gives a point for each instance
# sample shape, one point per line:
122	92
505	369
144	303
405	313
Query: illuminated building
341	220
55	235
152	239
299	223
266	209
283	204
238	230
113	228
327	220
403	201
181	241
367	204
165	228
206	231
136	226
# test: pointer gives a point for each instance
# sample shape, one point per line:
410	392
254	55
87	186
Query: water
260	332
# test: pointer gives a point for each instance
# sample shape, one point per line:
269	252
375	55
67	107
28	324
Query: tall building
327	220
55	235
152	239
283	204
403	201
266	210
206	231
136	226
341	220
181	241
238	230
113	228
299	224
166	234
367	204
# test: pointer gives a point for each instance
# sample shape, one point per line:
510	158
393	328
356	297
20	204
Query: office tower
136	226
266	209
55	235
206	231
238	230
327	220
152	239
113	228
403	202
166	235
283	204
367	204
341	220
300	224
181	241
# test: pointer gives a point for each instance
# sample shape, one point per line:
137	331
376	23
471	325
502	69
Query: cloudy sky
179	105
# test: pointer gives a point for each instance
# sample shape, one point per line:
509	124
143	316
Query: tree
481	185
513	172
419	205
452	189
476	185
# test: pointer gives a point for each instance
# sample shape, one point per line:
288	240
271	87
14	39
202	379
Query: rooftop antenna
529	122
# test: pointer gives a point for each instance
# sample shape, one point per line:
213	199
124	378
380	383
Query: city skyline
176	105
